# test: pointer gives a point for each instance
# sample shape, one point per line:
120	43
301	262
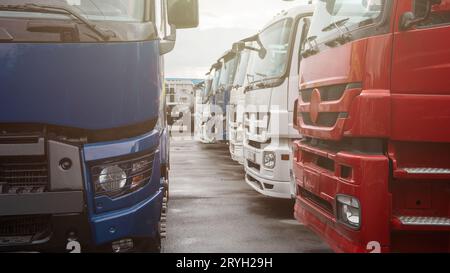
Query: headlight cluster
349	211
118	178
270	160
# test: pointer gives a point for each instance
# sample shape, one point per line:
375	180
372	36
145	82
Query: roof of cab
229	54
292	13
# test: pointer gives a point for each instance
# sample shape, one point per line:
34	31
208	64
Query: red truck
373	168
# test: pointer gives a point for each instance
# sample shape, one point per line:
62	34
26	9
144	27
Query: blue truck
84	156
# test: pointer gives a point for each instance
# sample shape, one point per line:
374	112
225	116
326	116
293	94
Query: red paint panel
339	65
421	118
421	62
369	184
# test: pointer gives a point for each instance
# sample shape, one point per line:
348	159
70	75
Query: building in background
180	104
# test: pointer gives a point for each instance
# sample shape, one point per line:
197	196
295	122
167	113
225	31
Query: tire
166	184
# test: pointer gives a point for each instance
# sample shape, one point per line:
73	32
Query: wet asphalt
213	210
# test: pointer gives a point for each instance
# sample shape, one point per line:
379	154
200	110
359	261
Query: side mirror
262	53
241	46
330	6
238	47
410	19
168	43
183	13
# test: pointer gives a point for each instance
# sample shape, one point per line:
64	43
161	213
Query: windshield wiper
313	47
261	75
5	36
341	39
336	24
53	9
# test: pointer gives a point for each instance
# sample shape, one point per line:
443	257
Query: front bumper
96	234
64	228
139	221
317	188
45	222
237	152
268	187
273	183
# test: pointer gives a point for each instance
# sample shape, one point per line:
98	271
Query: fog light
269	160
348	211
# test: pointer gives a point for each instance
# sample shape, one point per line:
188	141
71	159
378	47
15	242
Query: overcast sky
222	22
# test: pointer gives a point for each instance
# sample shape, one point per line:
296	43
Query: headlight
121	177
269	160
112	178
349	211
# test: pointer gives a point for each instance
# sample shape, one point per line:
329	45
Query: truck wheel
166	184
164	211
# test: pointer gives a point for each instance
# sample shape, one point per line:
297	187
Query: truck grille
329	93
316	200
324	120
23	175
24	225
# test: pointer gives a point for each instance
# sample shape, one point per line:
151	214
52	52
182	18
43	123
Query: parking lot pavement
213	210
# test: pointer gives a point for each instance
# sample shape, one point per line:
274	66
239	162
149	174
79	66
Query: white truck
200	91
269	99
208	124
237	107
229	61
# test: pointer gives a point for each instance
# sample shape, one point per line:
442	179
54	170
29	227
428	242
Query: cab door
420	75
301	30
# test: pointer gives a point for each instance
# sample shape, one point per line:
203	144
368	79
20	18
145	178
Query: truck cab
269	103
373	171
199	93
209	121
237	106
229	62
84	154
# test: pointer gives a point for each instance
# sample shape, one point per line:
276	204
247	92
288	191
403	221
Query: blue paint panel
135	214
100	151
140	220
90	86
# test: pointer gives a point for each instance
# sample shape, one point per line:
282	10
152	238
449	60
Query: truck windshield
336	17
216	80
206	90
276	40
241	71
227	72
96	10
